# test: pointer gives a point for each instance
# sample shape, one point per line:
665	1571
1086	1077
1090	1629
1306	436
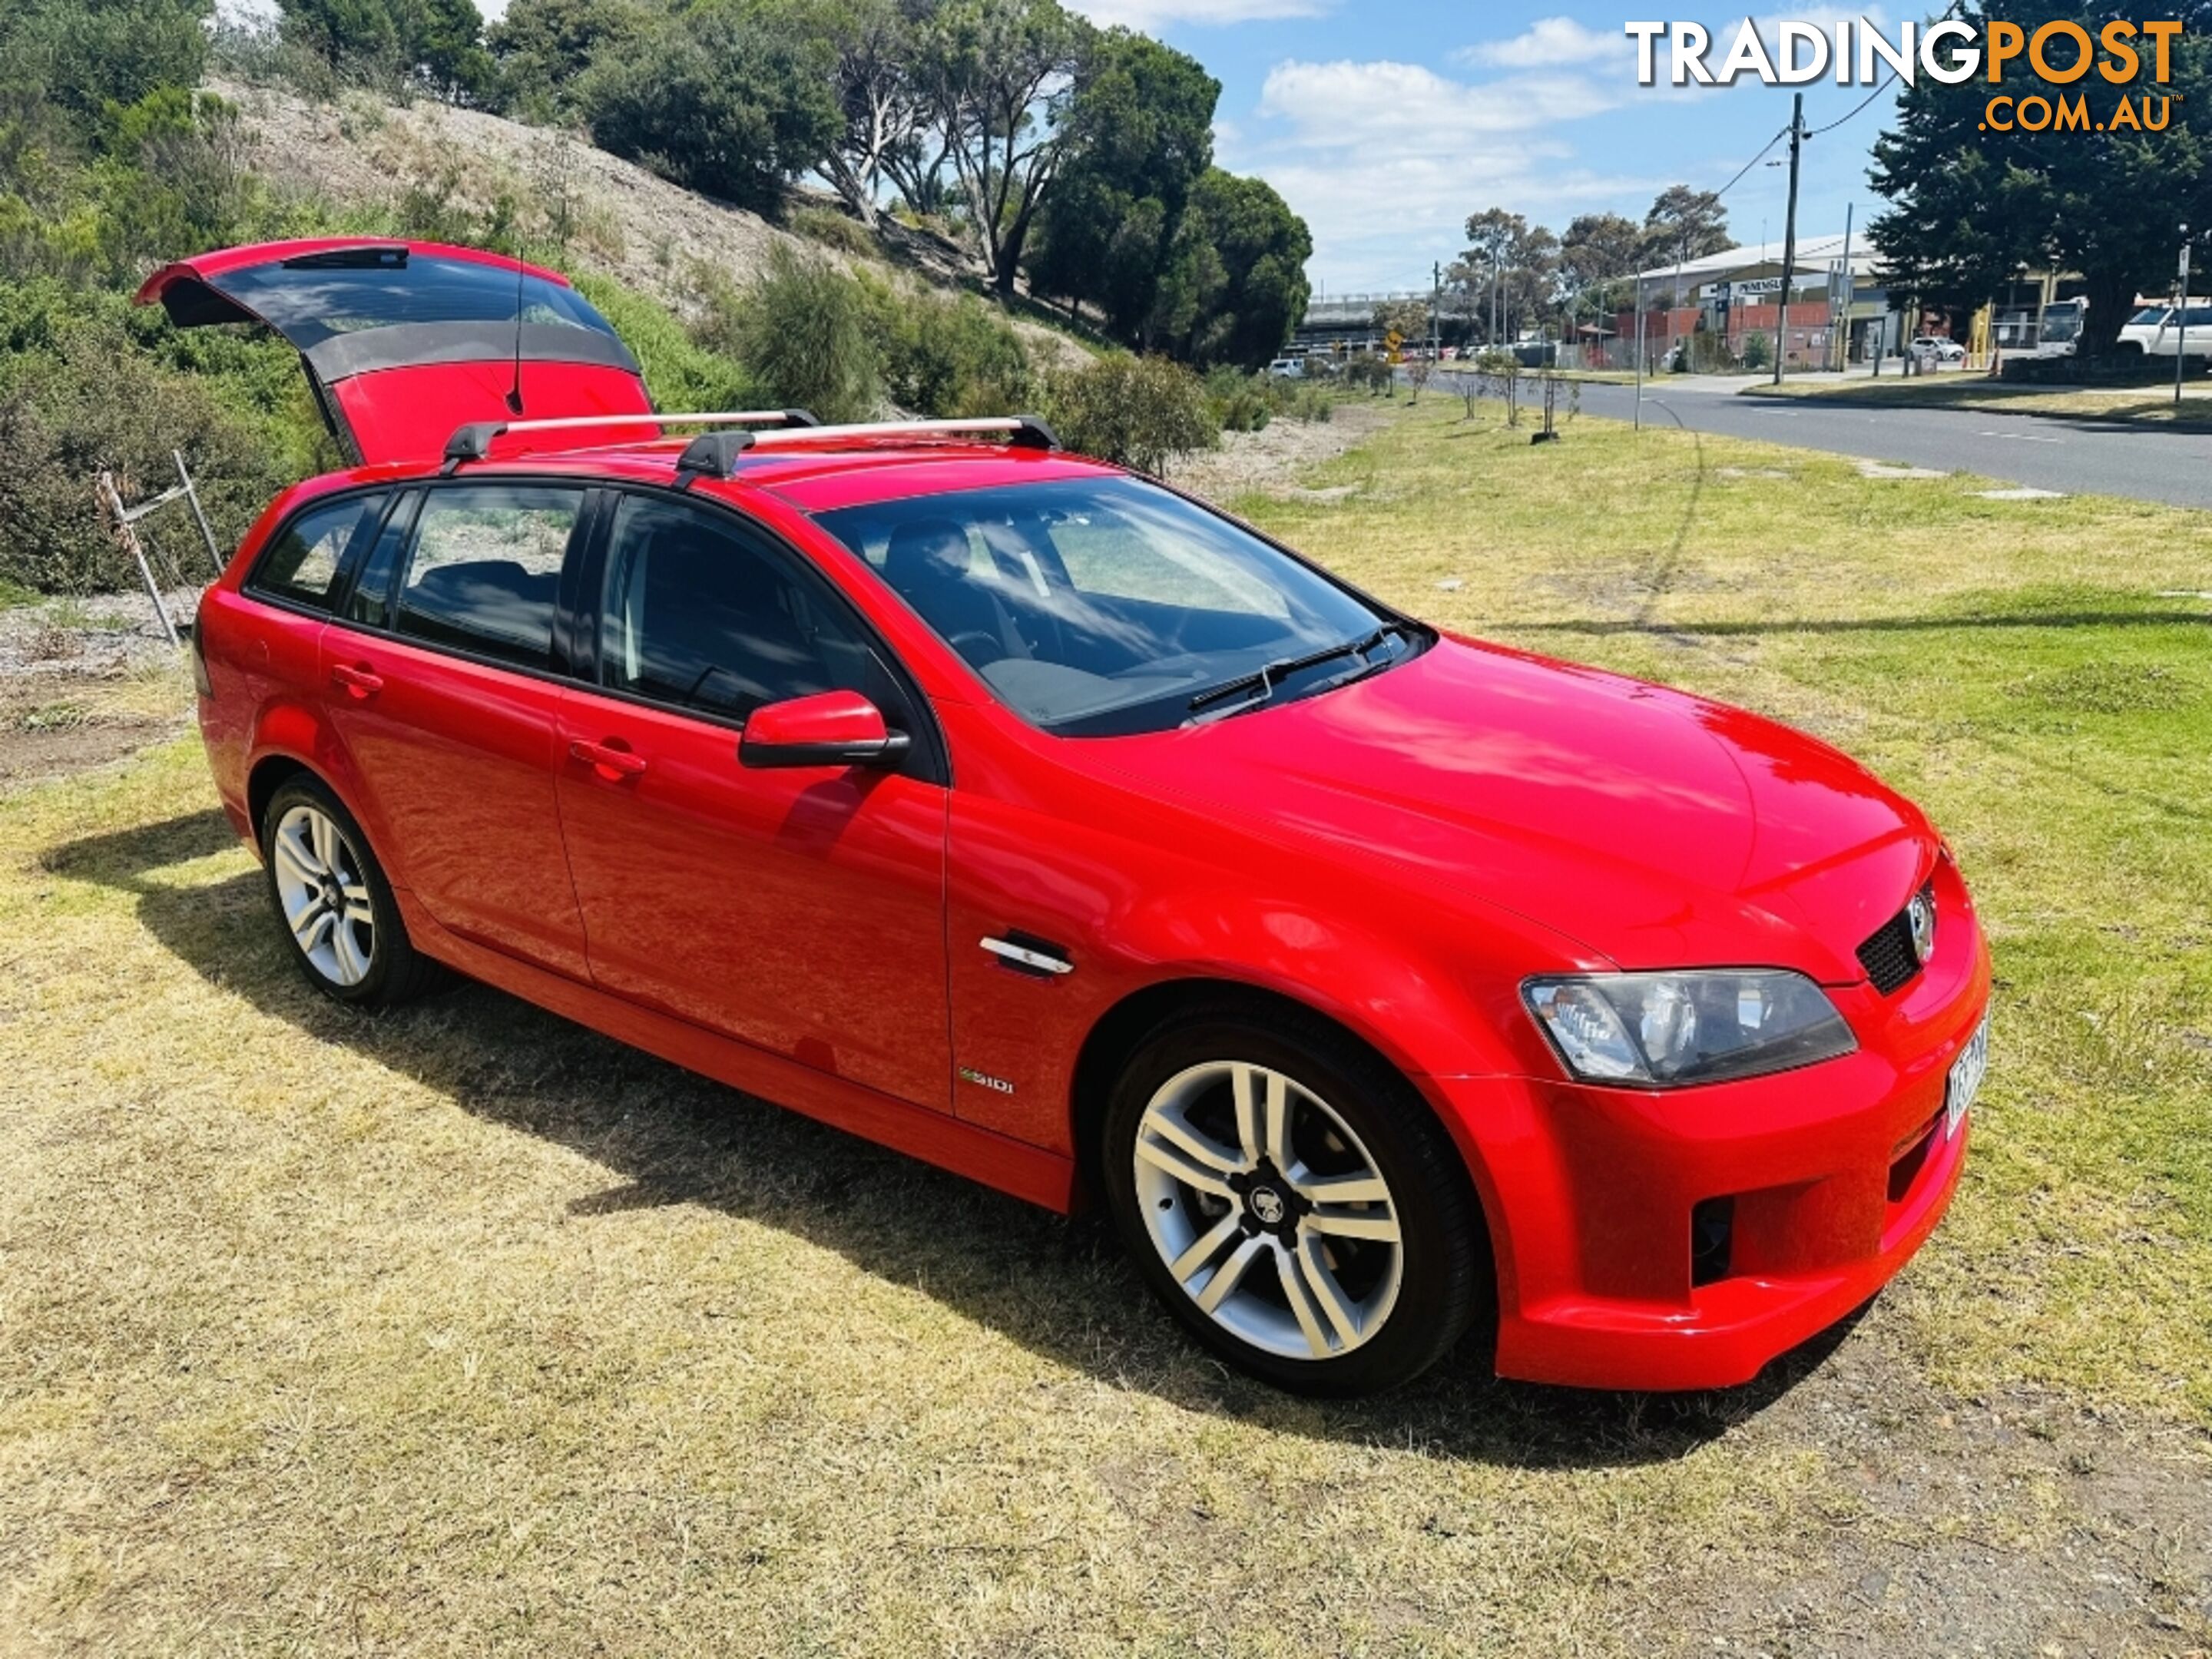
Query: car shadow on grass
1060	1288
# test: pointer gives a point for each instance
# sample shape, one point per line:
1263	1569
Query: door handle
610	762
359	682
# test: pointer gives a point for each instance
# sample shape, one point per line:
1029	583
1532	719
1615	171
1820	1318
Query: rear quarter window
303	560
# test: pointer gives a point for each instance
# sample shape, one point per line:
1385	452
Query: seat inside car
707	621
927	563
501	598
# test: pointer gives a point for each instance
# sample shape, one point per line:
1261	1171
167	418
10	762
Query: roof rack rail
714	454
473	441
1016	431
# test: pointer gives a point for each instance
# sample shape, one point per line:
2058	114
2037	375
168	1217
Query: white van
2160	330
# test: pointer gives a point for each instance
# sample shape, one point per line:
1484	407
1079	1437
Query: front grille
1887	955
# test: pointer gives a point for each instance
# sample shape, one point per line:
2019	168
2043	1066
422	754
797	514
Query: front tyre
339	917
1293	1202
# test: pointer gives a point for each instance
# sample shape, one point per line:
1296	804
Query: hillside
578	206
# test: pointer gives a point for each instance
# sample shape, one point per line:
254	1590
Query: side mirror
830	728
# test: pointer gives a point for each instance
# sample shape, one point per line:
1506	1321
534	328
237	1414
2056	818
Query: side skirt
1013	1167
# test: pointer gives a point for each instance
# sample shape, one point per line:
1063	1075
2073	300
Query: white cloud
1384	160
1414	109
1153	15
1545	44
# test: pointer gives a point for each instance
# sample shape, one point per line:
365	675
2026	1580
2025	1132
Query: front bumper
1820	1184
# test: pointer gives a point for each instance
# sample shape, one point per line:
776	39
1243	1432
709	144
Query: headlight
1657	1030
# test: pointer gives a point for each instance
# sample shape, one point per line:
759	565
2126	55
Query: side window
302	562
700	614
486	569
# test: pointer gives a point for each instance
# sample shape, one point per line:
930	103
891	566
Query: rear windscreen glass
308	305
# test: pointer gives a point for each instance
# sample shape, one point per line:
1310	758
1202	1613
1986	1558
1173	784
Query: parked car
1028	816
1938	348
1288	368
2166	331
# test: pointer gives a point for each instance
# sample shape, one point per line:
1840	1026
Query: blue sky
1385	126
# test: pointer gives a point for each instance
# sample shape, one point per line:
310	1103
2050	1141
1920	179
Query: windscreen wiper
1264	680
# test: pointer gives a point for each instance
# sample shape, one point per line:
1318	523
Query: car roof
812	480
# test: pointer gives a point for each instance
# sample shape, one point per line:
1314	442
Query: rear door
442	680
403	342
803	910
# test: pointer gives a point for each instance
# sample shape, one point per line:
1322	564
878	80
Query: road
2078	456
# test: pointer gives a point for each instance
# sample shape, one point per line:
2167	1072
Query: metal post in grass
127	529
193	496
2181	325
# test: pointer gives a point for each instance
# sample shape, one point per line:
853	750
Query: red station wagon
1019	812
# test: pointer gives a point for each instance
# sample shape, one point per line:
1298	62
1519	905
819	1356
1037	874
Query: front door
802	910
440	679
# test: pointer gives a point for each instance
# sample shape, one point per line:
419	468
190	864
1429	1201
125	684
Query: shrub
1371	375
680	372
732	106
1135	411
802	332
836	230
945	354
94	404
1758	351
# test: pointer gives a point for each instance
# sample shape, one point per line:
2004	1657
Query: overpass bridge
1333	317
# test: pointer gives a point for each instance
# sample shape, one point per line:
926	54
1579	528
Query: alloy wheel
1269	1211
323	892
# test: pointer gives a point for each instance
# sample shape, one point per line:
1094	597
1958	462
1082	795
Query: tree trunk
2111	296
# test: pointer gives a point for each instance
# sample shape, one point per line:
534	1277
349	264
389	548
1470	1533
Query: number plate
1965	1078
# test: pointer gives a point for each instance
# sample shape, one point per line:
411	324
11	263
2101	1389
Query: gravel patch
1268	462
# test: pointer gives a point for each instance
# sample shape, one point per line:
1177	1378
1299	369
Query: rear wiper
1264	680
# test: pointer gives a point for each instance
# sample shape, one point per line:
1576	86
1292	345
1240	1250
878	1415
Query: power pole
1436	311
1843	324
1639	351
1790	231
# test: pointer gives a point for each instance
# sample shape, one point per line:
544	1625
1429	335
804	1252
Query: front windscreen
1105	605
2061	322
2148	317
309	302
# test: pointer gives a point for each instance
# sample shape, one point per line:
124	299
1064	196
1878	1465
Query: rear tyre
1293	1202
340	921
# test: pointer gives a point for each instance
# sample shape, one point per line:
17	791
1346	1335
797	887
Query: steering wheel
992	647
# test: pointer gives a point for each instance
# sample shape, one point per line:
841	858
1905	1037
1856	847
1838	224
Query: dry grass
464	1331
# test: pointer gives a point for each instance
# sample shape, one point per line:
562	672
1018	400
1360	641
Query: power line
1880	87
1752	163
